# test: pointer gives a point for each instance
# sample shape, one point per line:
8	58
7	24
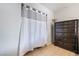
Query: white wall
48	12
68	13
10	18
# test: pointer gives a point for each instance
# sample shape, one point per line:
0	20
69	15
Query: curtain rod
27	6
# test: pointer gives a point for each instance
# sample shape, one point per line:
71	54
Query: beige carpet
50	50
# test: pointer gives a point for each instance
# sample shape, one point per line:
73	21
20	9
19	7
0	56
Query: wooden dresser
66	35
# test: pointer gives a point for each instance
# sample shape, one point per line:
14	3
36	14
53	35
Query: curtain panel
33	29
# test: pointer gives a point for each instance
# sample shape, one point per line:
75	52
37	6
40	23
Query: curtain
33	30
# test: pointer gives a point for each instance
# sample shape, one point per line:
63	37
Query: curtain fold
37	36
33	33
24	37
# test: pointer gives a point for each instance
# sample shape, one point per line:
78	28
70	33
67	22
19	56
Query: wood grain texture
50	50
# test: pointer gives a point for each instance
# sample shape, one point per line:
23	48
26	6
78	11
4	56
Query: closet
66	35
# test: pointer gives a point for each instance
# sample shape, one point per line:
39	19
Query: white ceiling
57	6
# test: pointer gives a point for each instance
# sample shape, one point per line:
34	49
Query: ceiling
57	6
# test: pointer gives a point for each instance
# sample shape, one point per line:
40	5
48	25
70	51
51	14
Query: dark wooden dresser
66	35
